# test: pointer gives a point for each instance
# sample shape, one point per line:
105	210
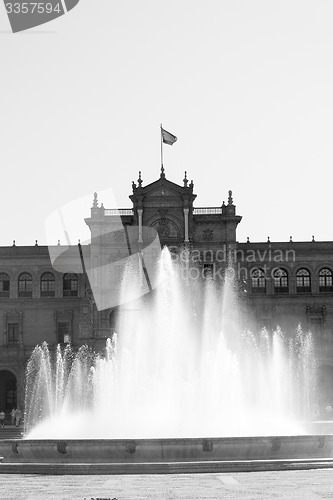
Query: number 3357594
33	7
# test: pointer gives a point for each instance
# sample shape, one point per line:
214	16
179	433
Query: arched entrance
325	387
8	391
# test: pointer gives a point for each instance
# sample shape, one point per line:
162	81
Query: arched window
303	281
325	280
47	285
25	285
258	281
114	320
70	285
4	285
281	284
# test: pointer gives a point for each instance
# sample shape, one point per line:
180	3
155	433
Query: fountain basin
127	451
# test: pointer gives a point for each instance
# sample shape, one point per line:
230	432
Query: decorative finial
223	204
162	172
248	240
313	240
290	239
185	179
133	186
36	243
139	179
95	203
230	200
268	240
14	244
58	242
191	184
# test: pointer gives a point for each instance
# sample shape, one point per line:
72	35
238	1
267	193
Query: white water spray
180	366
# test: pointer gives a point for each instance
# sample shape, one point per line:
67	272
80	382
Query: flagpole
161	150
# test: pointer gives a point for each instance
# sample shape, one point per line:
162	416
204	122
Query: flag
167	137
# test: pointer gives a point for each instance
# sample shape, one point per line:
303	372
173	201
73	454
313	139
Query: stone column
140	212
186	210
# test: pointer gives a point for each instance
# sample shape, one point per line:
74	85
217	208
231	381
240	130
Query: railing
196	211
303	289
118	211
207	211
47	293
70	293
25	293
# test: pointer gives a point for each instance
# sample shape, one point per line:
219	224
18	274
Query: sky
245	85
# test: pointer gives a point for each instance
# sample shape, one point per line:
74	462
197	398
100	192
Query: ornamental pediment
162	191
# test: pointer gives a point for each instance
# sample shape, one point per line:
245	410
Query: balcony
258	289
303	289
281	289
25	293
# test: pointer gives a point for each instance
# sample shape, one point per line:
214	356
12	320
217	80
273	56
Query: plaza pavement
289	485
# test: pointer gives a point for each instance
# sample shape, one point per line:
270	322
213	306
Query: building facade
280	283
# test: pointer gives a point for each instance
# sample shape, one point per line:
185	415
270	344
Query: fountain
183	380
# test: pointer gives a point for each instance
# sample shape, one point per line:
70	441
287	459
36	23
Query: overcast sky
247	87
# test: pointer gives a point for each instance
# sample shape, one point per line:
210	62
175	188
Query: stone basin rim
173	440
